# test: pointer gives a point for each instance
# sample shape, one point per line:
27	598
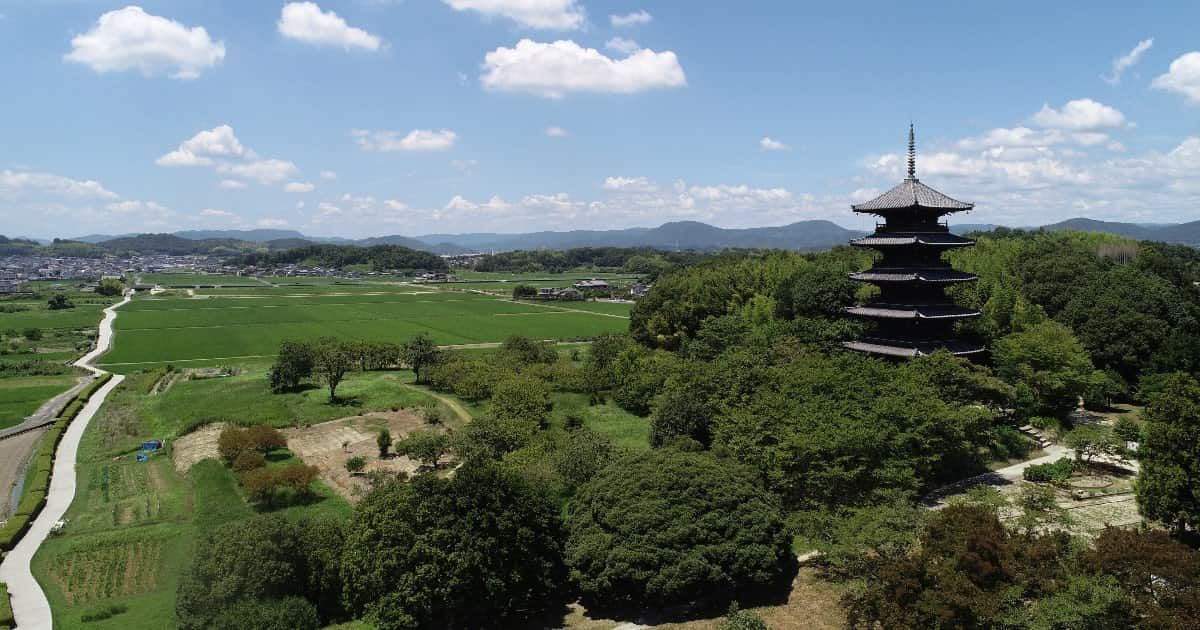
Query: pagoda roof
936	239
912	311
912	193
912	348
914	274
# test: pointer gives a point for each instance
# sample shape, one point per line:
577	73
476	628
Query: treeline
641	260
375	258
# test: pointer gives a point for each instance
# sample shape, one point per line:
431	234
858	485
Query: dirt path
571	310
14	452
454	405
29	604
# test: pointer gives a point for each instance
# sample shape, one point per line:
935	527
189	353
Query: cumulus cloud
630	19
202	148
622	45
415	140
131	39
1079	114
144	208
365	210
770	144
232	184
306	22
299	187
1182	77
328	175
215	213
264	171
554	69
556	132
538	14
629	184
1127	61
271	222
20	184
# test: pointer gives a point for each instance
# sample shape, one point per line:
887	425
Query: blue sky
367	117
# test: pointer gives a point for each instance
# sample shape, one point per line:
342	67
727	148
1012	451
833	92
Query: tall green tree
293	364
1169	456
1048	362
478	550
420	352
332	358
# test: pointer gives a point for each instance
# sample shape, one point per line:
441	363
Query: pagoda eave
916	277
934	240
908	349
902	311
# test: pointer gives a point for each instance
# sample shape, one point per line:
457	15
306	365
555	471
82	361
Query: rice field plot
20	396
193	279
151	331
82	316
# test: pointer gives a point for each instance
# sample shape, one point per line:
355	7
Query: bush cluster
1056	472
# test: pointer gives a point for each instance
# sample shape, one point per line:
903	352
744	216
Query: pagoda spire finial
912	153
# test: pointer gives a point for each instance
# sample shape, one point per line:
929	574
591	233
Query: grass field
133	526
22	395
253	323
193	279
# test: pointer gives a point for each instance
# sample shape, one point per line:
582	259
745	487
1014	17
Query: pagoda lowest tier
912	315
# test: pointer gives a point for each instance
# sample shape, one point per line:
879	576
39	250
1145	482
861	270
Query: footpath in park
30	606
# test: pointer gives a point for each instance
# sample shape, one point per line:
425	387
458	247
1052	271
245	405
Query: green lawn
133	526
154	331
22	395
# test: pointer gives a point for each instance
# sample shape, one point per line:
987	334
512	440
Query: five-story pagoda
912	314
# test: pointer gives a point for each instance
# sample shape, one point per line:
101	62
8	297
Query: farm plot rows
188	329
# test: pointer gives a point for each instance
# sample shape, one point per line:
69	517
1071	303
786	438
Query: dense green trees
667	527
59	302
265	562
110	287
1170	457
1049	367
476	550
376	257
293	364
420	352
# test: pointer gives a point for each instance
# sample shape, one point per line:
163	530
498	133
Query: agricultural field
251	324
194	279
132	526
20	396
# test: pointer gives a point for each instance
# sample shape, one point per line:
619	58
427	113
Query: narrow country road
30	606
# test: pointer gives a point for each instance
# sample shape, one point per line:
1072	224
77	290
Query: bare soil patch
328	445
196	446
812	604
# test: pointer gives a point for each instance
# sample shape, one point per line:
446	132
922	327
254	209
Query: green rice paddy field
252	323
20	396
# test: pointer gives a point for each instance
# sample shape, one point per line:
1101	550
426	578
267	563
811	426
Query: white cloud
144	208
232	184
365	211
629	184
1127	61
299	187
215	213
466	167
200	149
264	171
1183	77
131	39
539	14
271	222
306	22
622	45
21	184
415	140
630	19
556	132
328	175
1079	114
770	144
554	69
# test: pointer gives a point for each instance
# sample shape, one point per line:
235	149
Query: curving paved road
29	603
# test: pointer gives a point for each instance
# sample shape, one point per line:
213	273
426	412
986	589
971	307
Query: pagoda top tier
911	193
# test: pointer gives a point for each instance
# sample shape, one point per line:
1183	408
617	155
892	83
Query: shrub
232	442
248	460
1056	472
103	612
6	613
356	464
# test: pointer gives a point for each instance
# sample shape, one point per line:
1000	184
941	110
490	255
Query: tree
259	559
524	291
331	360
521	399
59	302
356	464
419	352
288	613
248	460
479	549
1050	363
584	454
110	287
665	527
32	334
1160	576
266	438
383	440
1170	456
816	291
1090	441
232	442
425	446
293	364
681	409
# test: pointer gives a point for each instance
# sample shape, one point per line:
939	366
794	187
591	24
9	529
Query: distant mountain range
682	235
